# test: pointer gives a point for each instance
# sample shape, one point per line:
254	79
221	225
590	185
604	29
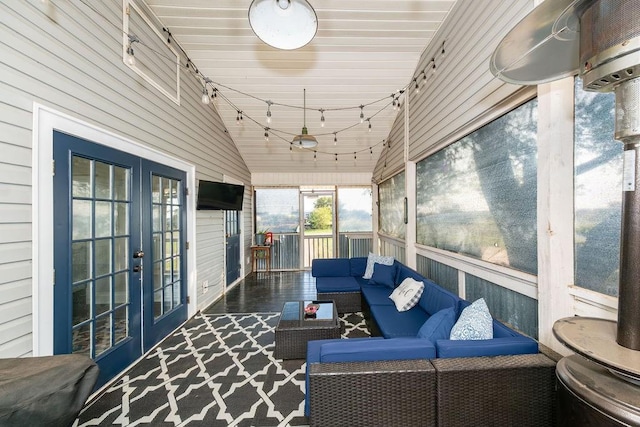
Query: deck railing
285	251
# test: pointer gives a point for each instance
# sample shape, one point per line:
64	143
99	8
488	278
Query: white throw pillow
475	323
372	259
407	294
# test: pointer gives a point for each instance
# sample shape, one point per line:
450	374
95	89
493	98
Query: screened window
598	192
278	210
478	196
391	194
354	209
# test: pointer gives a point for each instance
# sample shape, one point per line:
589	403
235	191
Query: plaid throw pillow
407	294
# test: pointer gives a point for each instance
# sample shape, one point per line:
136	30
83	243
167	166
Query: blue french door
232	235
119	233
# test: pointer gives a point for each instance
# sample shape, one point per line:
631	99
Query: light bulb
205	96
321	118
269	111
369	125
315	156
335	139
131	59
361	114
417	86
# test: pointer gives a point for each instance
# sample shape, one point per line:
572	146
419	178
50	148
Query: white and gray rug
217	370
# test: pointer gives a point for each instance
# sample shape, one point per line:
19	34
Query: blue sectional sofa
347	379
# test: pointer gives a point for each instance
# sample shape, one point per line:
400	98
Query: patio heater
600	40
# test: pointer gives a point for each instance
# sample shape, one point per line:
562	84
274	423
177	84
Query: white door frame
45	121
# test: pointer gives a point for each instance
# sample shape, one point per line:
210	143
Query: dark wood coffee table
295	329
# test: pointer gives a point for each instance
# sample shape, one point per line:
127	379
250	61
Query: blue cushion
438	326
393	323
376	295
337	284
492	347
331	267
366	351
358	265
434	298
383	275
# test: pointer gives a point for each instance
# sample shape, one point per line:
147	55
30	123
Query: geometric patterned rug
217	370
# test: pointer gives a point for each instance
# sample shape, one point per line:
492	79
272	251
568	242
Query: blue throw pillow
475	323
383	275
438	326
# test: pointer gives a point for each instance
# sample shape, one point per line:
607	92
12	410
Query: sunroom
390	128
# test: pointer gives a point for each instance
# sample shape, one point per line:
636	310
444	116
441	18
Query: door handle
137	268
138	254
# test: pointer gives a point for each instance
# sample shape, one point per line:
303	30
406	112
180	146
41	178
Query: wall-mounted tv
219	196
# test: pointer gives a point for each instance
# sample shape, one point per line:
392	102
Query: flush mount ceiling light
283	24
304	140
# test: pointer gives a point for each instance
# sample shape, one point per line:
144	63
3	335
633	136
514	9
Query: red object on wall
268	239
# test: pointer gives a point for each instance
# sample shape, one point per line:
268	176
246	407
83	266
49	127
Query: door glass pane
80	261
176	294
176	269
81	177
103	334
155	189
121	253
157	218
103	257
103	180
81	339
103	295
318	227
81	304
175	246
82	219
103	219
157	275
121	326
121	290
166	191
175	218
120	183
157	247
157	303
168	298
121	219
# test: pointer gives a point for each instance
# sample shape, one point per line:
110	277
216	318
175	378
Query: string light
205	95
321	117
371	152
336	157
335	138
355	158
315	156
269	111
131	59
433	67
417	86
424	76
290	146
442	50
369	120
266	134
361	114
239	117
393	102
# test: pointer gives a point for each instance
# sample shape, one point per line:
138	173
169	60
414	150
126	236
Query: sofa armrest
383	393
377	350
492	347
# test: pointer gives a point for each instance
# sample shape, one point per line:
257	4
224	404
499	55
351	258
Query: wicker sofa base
397	393
346	302
518	390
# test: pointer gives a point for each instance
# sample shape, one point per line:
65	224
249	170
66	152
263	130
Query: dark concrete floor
266	292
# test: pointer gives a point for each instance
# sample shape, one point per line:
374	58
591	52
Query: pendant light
304	140
283	24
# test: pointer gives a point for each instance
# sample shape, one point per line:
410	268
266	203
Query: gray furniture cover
45	391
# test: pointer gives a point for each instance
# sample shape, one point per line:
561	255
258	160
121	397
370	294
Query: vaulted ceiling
363	52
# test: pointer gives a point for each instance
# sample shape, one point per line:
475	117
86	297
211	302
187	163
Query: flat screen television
219	196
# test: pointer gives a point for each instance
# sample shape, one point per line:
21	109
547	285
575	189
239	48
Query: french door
119	253
232	236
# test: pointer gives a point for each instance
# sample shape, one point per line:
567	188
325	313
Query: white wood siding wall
68	56
391	160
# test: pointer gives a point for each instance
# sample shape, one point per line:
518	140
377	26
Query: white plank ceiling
363	52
